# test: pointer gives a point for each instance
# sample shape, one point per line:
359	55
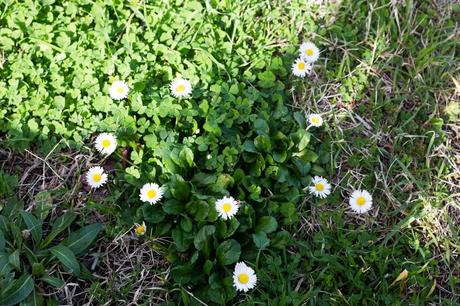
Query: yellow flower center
301	65
243	278
97	177
120	90
180	88
319	186
315	120
140	230
227	207
106	143
360	200
151	193
309	52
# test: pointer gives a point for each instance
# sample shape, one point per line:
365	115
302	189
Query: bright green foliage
29	249
61	58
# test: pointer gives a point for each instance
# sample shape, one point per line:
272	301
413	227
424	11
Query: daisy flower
309	52
321	188
244	277
181	88
315	120
118	90
227	207
361	201
140	229
106	143
151	193
301	68
96	177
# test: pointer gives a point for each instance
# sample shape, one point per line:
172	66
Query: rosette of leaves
250	146
29	252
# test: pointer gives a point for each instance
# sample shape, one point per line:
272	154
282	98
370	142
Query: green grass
386	84
386	87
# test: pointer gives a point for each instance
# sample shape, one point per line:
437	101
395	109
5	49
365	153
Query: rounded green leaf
228	252
266	224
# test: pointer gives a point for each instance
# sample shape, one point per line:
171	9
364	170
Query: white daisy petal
244	277
181	88
301	68
106	143
309	52
320	187
360	201
227	207
151	193
118	90
96	177
315	120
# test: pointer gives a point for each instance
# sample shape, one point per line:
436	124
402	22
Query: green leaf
182	274
281	240
182	240
43	204
67	258
60	224
173	207
16	234
53	281
12	209
225	229
4	224
266	224
303	166
317	170
133	171
249	146
266	79
37	269
204	179
2	241
34	225
288	210
14	260
81	239
262	143
5	266
207	267
186	224
309	156
180	190
228	252
17	291
300	118
34	299
261	127
187	156
198	209
260	240
153	213
304	140
203	237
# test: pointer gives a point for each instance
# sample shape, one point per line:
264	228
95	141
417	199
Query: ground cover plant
236	163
